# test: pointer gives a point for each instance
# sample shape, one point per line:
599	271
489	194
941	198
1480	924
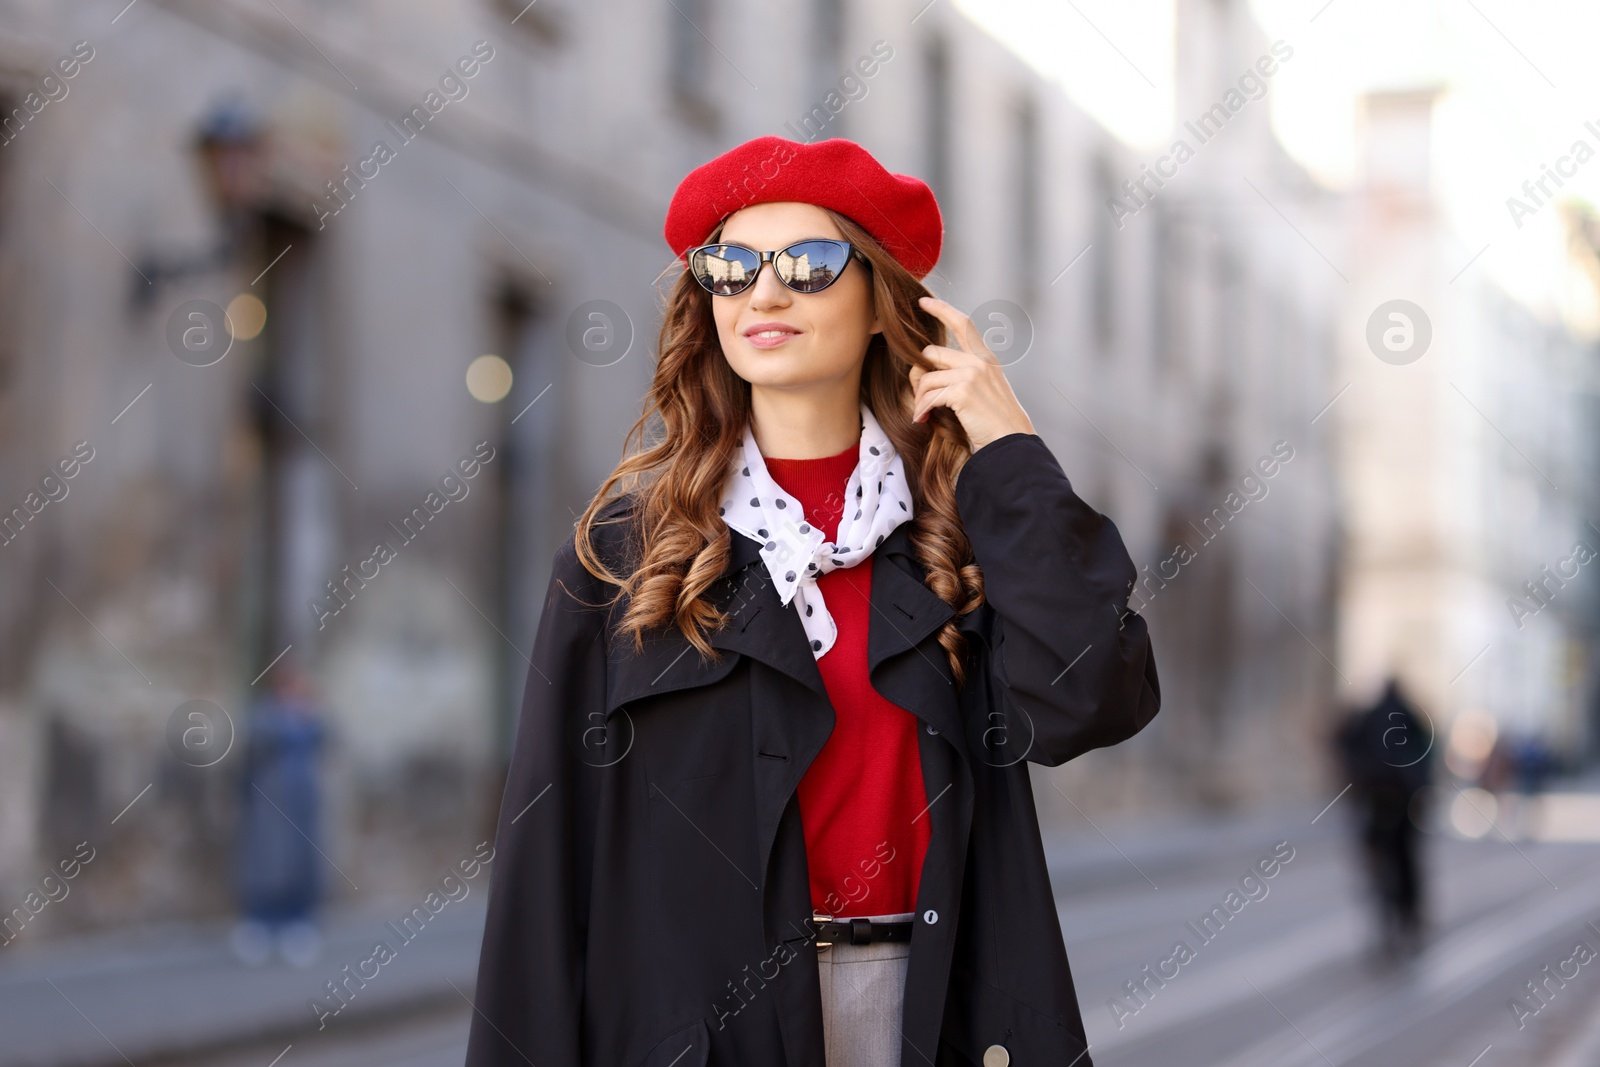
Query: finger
933	399
962	329
944	357
935	390
956	323
938	379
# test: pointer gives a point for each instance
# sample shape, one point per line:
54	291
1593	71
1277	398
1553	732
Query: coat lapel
787	734
760	627
904	612
789	726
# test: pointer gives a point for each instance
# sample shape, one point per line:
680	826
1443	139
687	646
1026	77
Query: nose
767	291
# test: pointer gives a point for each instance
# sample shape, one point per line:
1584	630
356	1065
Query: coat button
931	730
996	1056
930	916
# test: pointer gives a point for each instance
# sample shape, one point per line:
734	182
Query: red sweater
862	801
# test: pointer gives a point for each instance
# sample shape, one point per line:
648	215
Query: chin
776	378
769	367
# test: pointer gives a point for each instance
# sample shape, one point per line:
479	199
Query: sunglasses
805	266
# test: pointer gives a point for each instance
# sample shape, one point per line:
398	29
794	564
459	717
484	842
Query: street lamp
231	144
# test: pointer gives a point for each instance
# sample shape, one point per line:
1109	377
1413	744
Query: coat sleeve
1073	666
528	998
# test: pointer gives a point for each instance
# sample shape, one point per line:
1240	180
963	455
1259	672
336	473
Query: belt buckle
818	920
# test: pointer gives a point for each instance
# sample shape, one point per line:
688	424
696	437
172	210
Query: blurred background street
1295	976
320	322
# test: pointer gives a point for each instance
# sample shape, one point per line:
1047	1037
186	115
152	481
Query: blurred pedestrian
1535	763
277	872
1499	774
1386	751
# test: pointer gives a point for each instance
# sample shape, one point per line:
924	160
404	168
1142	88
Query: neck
820	421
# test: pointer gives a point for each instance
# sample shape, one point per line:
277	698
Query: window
1166	292
1027	223
543	20
936	121
1103	279
8	294
1230	312
528	522
693	62
827	46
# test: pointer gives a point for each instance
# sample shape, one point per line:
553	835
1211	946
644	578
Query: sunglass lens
809	266
724	269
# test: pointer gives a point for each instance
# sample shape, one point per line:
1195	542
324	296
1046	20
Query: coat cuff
1069	657
999	451
1015	501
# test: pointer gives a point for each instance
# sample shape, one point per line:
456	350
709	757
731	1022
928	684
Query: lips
766	327
770	334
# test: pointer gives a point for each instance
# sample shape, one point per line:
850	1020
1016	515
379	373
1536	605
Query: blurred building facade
1230	315
328	489
1467	461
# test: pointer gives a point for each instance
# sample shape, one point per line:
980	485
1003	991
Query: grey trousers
863	987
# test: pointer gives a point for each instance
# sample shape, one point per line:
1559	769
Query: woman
768	801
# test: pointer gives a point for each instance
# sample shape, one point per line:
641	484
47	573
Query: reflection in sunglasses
806	266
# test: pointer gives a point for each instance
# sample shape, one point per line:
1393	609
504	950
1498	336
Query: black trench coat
649	898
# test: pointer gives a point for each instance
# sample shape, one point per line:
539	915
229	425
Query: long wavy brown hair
700	408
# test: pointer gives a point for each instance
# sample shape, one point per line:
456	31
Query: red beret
897	209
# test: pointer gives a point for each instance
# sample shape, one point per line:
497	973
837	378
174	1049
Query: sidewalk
1086	856
162	991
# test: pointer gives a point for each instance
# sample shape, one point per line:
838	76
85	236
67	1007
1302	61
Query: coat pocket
688	1046
985	1025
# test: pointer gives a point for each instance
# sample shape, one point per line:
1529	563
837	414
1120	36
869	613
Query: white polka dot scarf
877	500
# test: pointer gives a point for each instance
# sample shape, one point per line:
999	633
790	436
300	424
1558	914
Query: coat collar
904	612
794	722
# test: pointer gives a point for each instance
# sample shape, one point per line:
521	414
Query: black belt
831	931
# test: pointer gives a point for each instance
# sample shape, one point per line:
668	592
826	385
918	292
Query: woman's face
823	335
